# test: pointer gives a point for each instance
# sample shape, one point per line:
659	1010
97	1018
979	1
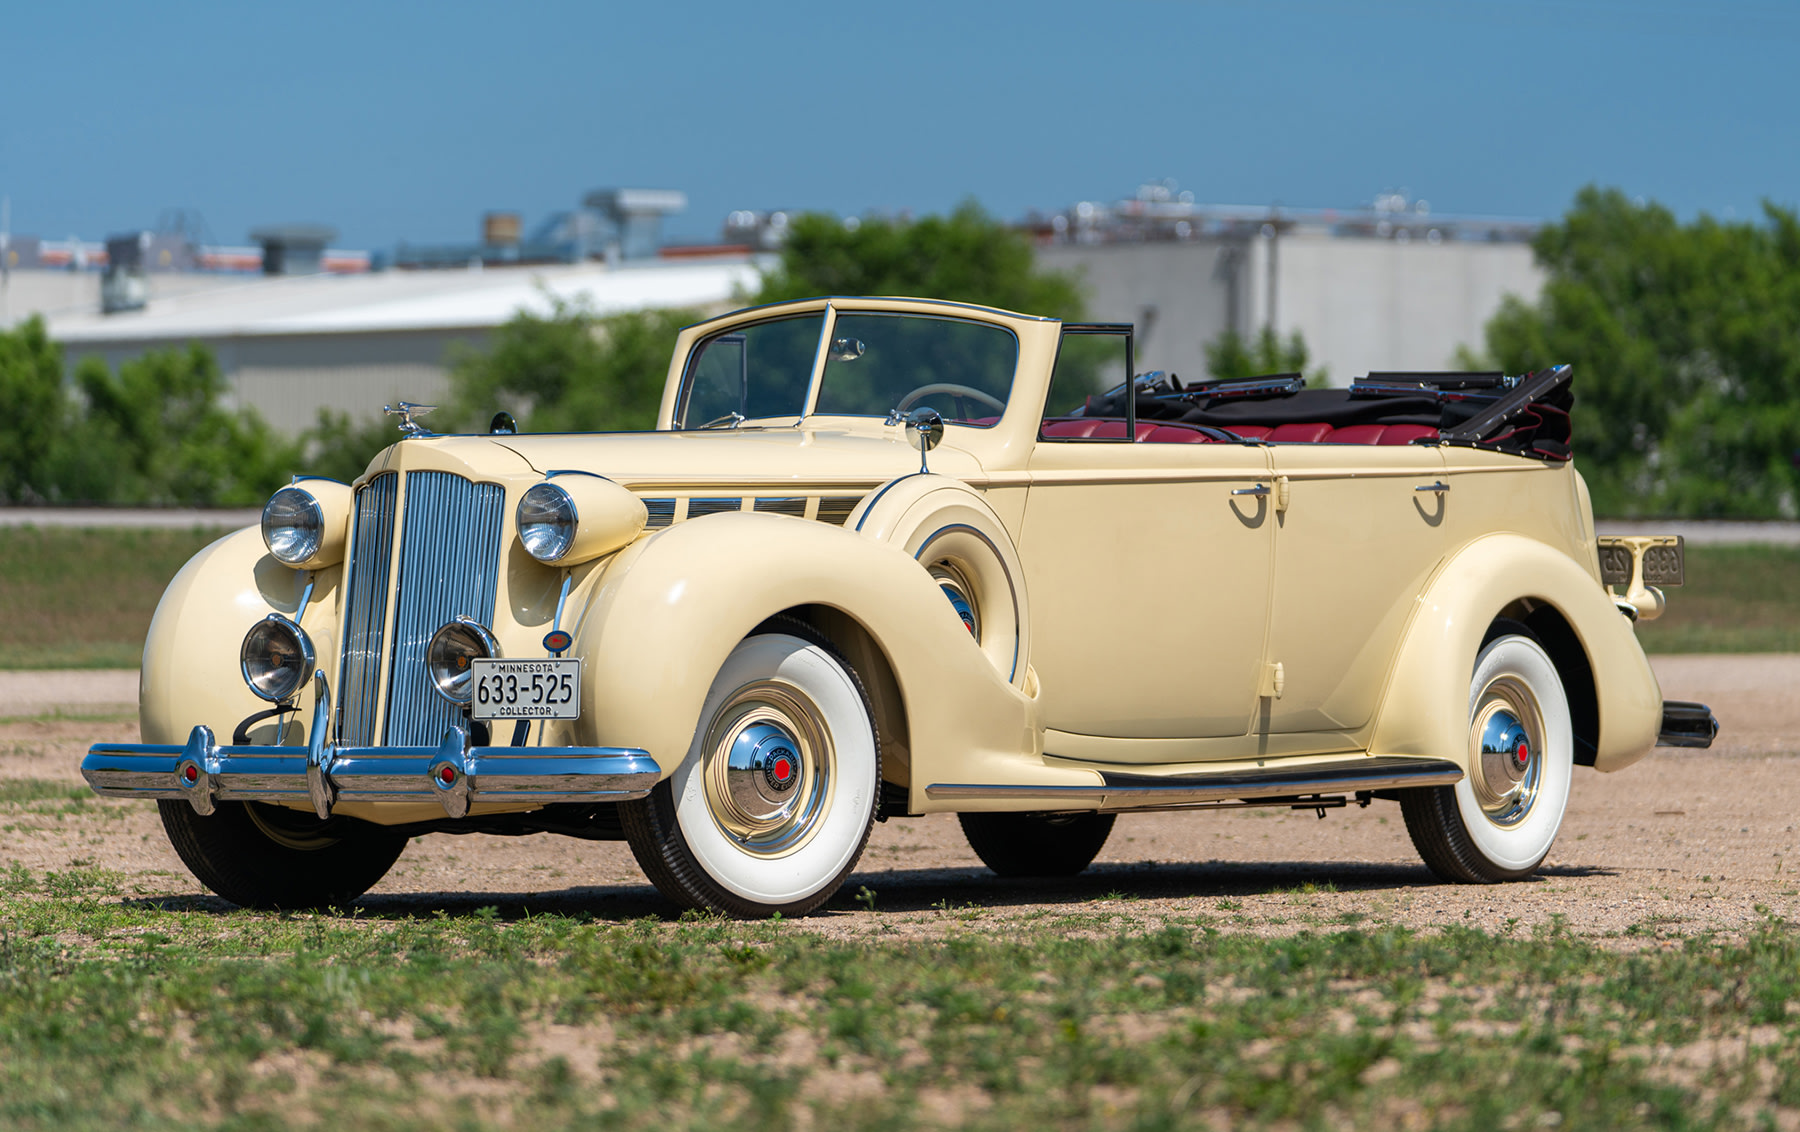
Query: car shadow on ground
918	890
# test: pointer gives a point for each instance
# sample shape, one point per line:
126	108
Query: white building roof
392	301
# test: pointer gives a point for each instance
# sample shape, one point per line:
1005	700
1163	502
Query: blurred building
298	326
292	345
1392	286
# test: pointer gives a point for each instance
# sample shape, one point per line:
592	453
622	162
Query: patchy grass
166	1014
1737	599
73	598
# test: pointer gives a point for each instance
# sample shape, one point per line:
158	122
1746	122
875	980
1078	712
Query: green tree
573	371
1230	358
156	433
338	448
36	411
966	257
1685	340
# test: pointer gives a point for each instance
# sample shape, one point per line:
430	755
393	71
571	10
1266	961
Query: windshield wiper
729	420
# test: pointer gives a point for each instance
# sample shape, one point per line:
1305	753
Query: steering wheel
960	392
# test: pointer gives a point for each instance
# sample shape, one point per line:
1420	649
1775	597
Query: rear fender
669	609
1425	708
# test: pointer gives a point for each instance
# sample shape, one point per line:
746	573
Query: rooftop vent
293	249
637	216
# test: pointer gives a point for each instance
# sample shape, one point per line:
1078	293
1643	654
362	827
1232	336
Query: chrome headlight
276	658
577	518
546	521
304	525
450	655
293	526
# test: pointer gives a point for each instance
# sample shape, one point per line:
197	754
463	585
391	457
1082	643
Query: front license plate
526	689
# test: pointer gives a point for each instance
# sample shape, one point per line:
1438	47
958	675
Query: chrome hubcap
1506	746
768	768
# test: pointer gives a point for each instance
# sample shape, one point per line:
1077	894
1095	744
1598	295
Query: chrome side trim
1142	791
530	775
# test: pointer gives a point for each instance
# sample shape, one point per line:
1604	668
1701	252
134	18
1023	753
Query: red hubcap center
1523	754
783	769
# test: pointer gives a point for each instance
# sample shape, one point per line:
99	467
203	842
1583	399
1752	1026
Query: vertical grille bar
365	617
449	563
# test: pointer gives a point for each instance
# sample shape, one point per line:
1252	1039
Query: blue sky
406	121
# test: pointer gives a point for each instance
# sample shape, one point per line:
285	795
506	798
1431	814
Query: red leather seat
1173	432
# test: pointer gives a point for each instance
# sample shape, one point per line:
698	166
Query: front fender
669	609
190	673
1425	708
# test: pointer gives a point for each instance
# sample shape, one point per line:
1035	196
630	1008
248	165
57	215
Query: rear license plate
526	689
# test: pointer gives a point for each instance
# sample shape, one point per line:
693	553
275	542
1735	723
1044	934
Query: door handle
1440	487
1259	490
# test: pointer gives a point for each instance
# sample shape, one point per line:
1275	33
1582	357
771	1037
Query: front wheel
774	802
262	856
1498	823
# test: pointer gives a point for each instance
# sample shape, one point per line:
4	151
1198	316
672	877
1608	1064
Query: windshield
876	363
761	370
879	362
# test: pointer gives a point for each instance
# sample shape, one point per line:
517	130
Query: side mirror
924	431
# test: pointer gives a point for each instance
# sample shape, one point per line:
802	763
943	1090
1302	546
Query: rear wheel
1036	845
771	808
261	856
1498	823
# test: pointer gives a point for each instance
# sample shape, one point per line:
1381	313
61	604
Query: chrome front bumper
452	773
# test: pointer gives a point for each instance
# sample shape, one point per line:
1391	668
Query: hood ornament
406	411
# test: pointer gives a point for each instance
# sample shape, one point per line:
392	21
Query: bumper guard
452	773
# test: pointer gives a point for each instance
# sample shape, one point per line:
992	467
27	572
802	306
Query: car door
1361	532
1147	564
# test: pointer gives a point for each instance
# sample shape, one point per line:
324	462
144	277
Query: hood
776	457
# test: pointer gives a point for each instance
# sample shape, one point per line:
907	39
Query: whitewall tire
1499	822
773	804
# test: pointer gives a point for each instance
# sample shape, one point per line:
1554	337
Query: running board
1145	791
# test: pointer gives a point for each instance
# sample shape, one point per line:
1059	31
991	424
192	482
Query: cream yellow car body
1344	625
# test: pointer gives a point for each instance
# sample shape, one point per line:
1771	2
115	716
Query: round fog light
450	655
276	657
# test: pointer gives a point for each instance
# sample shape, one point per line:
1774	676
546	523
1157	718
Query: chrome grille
661	512
449	562
795	506
714	506
836	508
365	617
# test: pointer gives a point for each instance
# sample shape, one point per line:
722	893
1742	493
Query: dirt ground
1685	841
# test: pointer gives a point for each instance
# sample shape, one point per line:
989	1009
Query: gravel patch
1684	842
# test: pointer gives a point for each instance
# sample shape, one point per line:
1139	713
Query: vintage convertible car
885	557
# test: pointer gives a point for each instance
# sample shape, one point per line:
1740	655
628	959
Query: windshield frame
829	334
788	420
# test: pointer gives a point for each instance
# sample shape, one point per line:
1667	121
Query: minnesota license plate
526	689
